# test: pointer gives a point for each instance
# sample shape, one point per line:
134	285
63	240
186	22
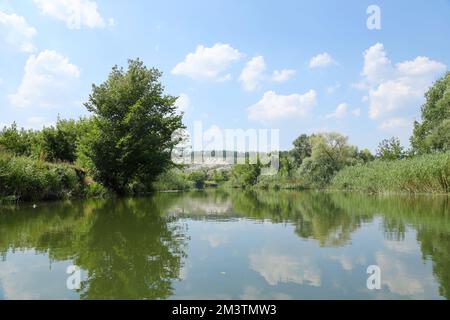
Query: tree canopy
133	122
433	133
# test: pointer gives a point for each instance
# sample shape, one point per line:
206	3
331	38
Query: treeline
326	160
121	148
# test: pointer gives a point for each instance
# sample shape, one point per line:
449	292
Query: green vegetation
326	160
22	178
125	147
421	174
132	128
433	133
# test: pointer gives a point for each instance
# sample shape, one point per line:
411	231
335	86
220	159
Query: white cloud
208	63
15	31
399	277
321	61
253	73
402	86
75	13
332	89
47	81
341	111
277	268
283	75
377	67
356	112
273	106
183	102
395	123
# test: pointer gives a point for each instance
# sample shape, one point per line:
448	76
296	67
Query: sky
296	66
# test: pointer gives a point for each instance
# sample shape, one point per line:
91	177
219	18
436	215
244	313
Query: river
227	245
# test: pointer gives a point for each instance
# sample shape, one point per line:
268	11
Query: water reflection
257	245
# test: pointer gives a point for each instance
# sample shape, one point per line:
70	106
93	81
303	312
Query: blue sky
297	66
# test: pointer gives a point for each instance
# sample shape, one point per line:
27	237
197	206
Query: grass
421	174
26	179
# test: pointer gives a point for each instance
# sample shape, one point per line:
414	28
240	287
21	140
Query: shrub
23	178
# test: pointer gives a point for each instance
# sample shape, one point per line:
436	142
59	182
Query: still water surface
228	245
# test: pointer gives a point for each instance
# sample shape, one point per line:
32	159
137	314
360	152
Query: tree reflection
129	248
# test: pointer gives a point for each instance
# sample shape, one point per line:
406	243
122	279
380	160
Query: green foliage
23	178
173	179
60	142
198	178
330	153
433	133
427	173
365	156
220	176
302	149
390	149
245	175
20	142
132	128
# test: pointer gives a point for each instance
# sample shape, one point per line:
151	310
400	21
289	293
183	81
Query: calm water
268	245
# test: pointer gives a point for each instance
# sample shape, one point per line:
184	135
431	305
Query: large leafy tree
60	142
390	149
330	153
433	133
133	125
302	149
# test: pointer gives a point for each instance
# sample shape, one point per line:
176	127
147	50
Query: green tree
433	133
302	149
20	142
245	175
60	142
199	178
133	125
365	156
390	149
330	153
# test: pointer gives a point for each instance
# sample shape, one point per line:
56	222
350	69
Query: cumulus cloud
75	13
47	81
321	61
394	87
183	102
277	268
341	111
255	72
283	75
273	106
16	32
208	63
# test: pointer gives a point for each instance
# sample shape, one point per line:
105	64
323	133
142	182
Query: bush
172	179
23	178
198	178
422	174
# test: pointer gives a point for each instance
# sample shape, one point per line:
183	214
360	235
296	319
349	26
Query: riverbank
27	179
421	174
